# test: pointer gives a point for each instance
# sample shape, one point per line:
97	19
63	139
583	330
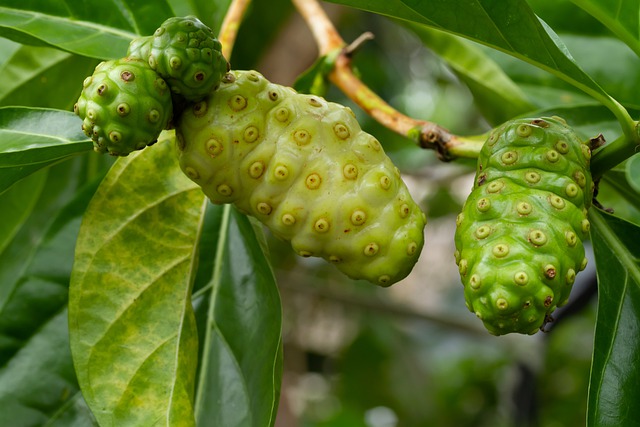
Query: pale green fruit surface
303	167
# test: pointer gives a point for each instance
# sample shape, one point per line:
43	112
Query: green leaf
613	391
17	204
43	77
621	17
511	27
132	327
37	381
496	95
314	80
633	172
96	29
238	385
33	138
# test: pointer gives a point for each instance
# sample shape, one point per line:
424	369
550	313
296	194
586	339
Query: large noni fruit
519	236
303	167
124	105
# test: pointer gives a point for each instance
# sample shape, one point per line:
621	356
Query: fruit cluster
301	165
519	236
127	102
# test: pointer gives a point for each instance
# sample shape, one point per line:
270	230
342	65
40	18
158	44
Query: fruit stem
613	153
424	133
230	25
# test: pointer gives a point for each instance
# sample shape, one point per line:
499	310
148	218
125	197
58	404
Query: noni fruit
304	168
186	54
124	106
519	236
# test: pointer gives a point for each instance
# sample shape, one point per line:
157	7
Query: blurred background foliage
356	355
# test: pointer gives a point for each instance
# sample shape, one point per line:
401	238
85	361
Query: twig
230	25
426	134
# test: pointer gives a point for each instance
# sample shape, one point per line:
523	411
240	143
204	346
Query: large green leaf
33	138
511	27
614	391
241	312
620	16
132	327
99	29
43	77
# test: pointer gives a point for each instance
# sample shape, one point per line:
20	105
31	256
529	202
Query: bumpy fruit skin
186	54
124	106
304	168
519	236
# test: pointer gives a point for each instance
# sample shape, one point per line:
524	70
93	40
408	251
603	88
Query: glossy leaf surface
614	392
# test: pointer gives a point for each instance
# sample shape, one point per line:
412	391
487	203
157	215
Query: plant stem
612	154
424	133
230	25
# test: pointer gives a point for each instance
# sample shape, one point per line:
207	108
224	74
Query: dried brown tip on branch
355	45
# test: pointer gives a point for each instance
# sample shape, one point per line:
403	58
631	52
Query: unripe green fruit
303	167
124	106
519	236
186	54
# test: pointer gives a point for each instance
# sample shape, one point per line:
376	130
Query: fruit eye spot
580	179
115	136
214	147
102	89
123	109
509	157
495	186
251	134
350	171
562	147
358	217
314	102
192	173
273	95
282	114
199	76
521	278
502	304
371	249
549	271
412	248
474	281
385	182
524	208
571	190
154	116
302	137
483	204
500	250
127	76
556	201
175	62
334	259
281	172
571	238
263	208
321	225
384	279
586	225
483	231
256	169
288	219
462	267
313	181
341	131
571	276
237	102
224	190
552	156
537	237
532	177
524	130
404	210
199	109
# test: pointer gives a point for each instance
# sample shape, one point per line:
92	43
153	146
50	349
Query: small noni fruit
124	106
519	236
186	54
304	168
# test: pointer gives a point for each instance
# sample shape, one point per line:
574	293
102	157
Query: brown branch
230	25
426	134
